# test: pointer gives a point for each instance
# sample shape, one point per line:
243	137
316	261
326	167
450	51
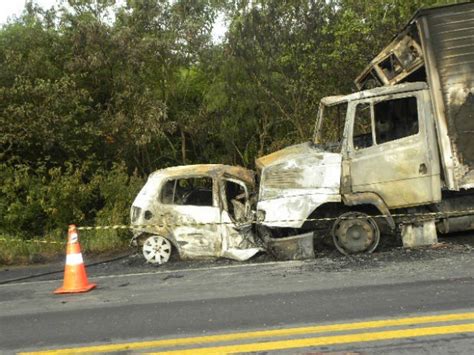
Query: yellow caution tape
431	215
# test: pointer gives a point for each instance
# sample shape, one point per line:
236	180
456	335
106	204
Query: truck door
391	150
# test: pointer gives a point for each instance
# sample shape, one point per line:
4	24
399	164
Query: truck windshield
330	126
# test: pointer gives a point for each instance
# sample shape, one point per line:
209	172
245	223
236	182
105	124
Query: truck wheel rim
355	232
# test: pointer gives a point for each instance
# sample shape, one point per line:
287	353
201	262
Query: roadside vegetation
94	96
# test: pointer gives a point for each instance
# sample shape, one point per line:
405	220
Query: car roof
212	170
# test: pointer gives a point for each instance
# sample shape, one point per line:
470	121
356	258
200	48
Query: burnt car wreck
197	211
203	211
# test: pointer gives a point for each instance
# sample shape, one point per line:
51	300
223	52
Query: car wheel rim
156	249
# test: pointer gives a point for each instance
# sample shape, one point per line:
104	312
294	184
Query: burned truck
398	155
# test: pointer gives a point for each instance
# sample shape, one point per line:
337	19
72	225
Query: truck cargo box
437	46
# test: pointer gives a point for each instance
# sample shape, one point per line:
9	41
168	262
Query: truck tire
355	232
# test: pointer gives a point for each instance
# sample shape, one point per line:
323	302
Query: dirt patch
327	259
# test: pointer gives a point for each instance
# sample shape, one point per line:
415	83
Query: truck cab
373	151
388	145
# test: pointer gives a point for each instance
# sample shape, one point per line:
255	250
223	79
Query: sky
13	8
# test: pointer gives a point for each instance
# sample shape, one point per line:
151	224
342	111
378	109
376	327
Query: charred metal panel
292	211
419	234
298	170
369	198
404	171
298	247
449	37
455	201
213	170
379	91
394	172
437	46
395	64
295	181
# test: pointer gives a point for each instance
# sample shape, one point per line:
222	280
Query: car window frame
181	177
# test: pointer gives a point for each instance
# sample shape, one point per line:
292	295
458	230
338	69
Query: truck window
196	191
362	134
331	128
395	119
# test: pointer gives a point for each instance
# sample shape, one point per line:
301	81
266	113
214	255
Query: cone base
76	290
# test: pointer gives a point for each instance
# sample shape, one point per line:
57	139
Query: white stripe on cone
74	259
74	238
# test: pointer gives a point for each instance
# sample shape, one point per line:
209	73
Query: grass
14	250
17	251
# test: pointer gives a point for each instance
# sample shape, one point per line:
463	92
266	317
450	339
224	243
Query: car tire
157	249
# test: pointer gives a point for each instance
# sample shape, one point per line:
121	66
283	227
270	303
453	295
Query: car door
236	220
191	209
391	150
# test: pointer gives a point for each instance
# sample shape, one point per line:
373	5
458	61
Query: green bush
117	191
39	205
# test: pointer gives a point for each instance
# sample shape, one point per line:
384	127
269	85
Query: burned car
196	211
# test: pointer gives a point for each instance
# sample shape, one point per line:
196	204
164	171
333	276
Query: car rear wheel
157	249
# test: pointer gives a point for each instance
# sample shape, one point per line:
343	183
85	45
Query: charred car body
197	211
403	145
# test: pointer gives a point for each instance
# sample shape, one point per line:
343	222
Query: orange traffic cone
75	278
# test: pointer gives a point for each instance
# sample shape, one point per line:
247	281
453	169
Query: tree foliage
95	93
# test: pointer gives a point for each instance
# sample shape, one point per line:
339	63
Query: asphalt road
371	305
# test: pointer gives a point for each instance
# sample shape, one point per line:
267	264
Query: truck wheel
355	232
156	249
